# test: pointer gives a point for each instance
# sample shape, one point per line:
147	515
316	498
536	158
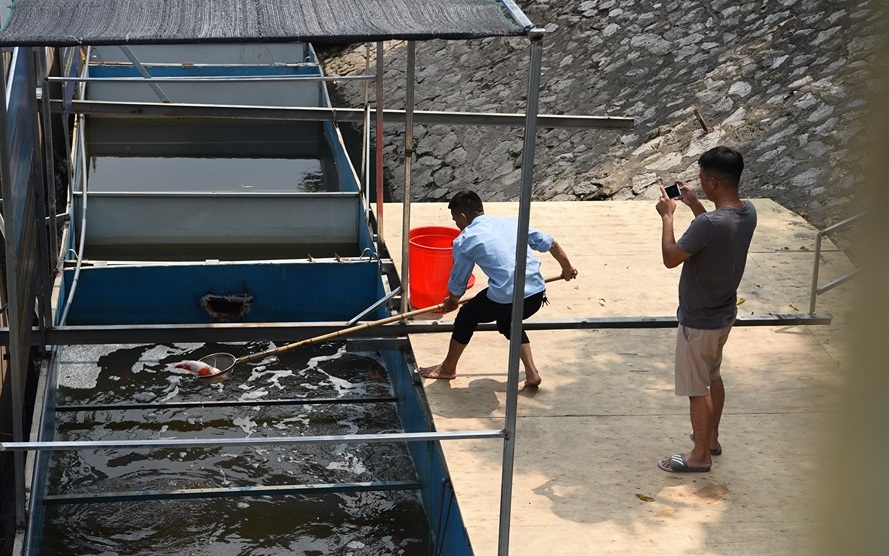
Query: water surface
338	523
170	173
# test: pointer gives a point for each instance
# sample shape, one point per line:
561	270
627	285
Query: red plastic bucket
431	258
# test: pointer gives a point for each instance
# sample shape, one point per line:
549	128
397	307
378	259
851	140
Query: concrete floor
587	442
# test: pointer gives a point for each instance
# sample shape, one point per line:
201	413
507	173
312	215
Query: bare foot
436	372
532	380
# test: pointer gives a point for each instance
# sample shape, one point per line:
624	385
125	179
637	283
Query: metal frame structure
47	335
530	120
286	331
816	289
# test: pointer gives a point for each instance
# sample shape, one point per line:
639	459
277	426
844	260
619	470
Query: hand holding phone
673	191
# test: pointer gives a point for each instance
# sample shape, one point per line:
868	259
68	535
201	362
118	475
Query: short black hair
467	202
724	162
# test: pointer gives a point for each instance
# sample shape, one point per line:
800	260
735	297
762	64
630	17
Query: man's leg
717	398
504	326
447	369
701	410
693	364
717	388
476	310
532	374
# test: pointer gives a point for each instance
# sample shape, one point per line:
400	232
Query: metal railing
816	289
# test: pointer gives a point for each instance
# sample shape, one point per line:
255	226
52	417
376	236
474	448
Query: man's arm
451	302
690	198
672	254
568	271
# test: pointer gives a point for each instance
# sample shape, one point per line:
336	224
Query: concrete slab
587	442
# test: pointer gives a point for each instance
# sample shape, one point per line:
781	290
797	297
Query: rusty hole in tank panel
226	308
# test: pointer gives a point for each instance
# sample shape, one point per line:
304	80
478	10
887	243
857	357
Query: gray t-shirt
708	287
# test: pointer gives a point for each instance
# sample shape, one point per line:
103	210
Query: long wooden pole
351	329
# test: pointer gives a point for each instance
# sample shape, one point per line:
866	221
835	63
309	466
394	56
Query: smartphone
673	191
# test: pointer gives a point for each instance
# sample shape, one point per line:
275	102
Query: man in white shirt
490	243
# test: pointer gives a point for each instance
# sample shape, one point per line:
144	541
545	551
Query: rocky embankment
786	82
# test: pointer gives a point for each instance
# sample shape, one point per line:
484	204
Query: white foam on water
249	426
348	462
78	368
274	377
173	389
341	386
350	425
150	359
143	396
285	424
79	375
263	381
267	360
252	394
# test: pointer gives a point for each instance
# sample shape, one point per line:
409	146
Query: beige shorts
698	358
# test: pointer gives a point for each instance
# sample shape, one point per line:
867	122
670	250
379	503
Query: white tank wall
211	53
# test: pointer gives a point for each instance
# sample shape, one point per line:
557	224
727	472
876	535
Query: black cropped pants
481	309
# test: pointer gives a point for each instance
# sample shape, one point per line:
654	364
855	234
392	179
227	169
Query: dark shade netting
95	22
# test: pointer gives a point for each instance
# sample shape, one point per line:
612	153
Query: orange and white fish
197	367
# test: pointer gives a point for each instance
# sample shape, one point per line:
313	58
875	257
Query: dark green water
356	524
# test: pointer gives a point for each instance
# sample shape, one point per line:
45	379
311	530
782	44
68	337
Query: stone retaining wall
786	82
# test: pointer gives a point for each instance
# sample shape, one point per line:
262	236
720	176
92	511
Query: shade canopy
96	22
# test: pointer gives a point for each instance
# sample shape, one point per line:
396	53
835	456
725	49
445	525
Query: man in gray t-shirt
713	254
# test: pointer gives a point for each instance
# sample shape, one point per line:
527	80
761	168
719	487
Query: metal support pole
365	137
178	443
518	14
14	363
37	66
147	78
518	296
49	158
144	73
813	295
315	114
379	113
365	161
295	331
408	159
